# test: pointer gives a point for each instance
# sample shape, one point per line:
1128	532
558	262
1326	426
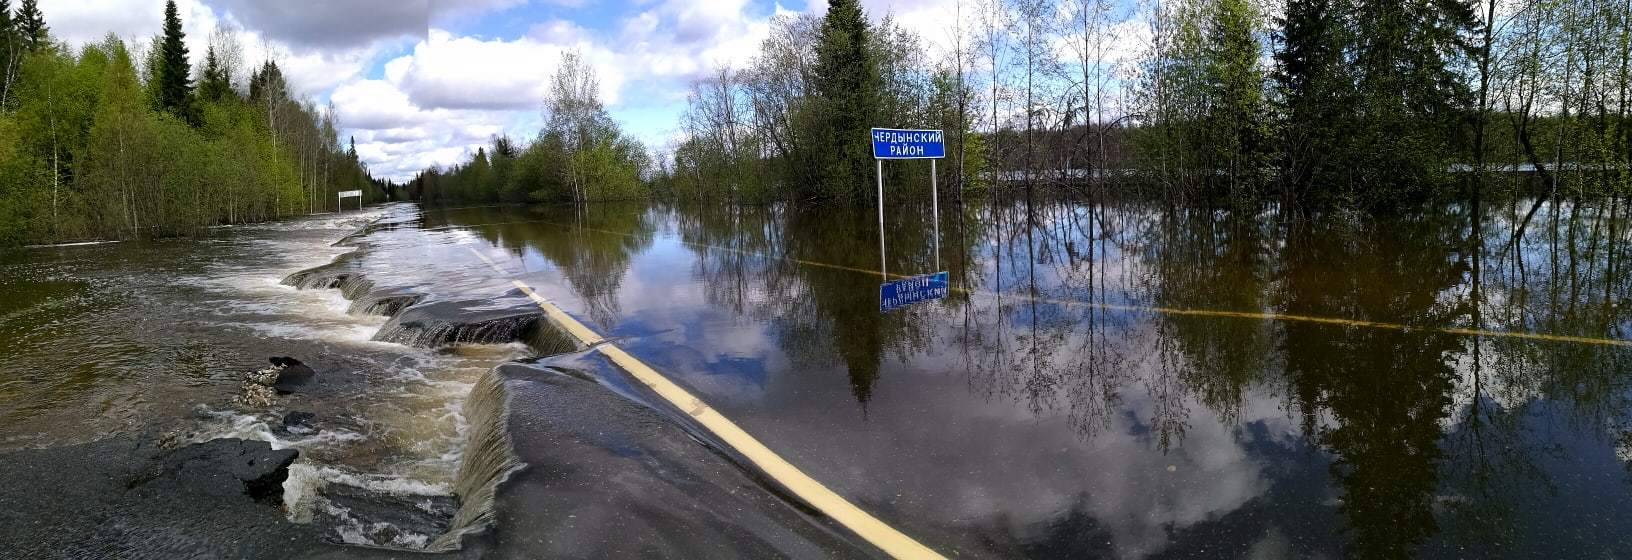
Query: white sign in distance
349	194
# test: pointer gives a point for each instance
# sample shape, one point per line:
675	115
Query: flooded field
1101	379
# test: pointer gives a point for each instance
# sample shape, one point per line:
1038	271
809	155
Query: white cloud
376	105
472	73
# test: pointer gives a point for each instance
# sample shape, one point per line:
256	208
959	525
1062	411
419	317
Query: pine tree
31	28
847	84
175	86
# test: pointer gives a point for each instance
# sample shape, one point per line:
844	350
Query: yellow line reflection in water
886	538
1257	315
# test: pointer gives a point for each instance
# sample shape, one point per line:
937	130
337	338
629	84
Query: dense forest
1363	103
130	141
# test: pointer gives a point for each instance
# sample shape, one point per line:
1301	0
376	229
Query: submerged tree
846	85
1234	119
1411	98
1312	88
600	162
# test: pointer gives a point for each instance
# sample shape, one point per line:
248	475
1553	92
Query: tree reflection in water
1432	440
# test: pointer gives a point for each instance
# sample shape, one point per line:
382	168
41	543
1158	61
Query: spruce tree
31	29
1314	92
175	86
1409	87
267	84
7	26
215	84
847	83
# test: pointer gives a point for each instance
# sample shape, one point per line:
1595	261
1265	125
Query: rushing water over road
1101	379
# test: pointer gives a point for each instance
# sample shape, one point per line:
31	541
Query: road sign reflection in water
907	291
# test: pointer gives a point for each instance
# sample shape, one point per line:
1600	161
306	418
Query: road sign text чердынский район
893	143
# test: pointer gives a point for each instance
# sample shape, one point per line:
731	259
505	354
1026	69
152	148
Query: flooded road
1109	379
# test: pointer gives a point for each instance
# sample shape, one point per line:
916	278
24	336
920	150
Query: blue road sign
895	143
907	291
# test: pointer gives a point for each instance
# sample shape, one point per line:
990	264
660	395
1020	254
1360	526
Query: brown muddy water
1108	379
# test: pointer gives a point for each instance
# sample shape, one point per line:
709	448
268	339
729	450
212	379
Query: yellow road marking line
886	538
1257	315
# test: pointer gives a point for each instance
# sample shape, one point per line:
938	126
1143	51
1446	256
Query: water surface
1105	378
1129	380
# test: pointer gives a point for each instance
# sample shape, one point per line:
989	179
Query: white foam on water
354	531
230	424
357	335
301	491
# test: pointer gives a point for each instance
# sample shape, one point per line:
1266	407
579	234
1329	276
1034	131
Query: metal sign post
343	195
883	263
894	143
935	211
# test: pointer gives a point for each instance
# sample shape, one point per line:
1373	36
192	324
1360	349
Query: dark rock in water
297	423
292	375
287	375
266	388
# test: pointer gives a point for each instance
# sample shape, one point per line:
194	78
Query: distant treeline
581	155
1361	103
110	143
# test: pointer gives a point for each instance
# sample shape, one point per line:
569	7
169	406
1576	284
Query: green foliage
1368	100
1234	119
963	147
788	127
20	192
1408	90
846	103
85	154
